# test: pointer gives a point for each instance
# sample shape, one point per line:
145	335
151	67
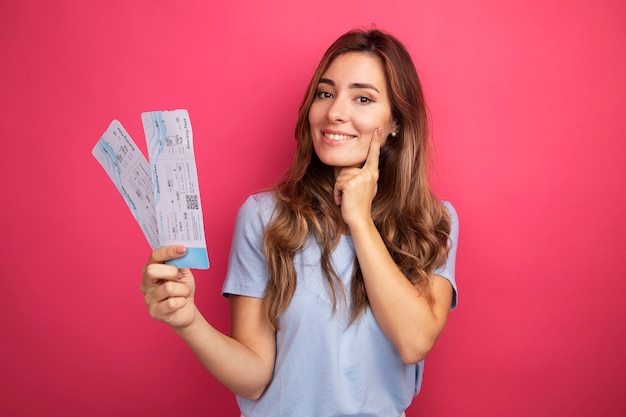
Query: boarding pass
162	194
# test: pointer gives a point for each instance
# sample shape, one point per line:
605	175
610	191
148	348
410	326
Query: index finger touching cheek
373	155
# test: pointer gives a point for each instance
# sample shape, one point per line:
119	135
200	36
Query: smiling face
351	102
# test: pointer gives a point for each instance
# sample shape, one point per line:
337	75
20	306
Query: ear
394	126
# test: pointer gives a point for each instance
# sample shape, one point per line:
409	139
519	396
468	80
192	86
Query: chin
341	162
339	159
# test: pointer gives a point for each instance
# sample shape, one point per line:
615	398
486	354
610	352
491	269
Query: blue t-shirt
324	368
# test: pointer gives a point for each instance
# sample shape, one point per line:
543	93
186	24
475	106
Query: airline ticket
162	194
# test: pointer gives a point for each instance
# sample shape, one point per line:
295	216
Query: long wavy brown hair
412	222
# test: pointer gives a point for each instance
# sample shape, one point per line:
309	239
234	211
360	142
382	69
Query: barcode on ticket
192	201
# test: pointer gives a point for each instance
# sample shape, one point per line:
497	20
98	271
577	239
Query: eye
323	94
363	100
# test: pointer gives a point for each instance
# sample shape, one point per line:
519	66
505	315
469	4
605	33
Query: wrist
190	326
360	225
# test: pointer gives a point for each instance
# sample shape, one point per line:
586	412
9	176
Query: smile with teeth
336	136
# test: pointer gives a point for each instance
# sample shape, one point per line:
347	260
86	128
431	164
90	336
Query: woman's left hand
355	188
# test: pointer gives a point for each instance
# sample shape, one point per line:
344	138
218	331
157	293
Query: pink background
528	101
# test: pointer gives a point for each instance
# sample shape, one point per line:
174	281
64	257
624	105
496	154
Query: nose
337	110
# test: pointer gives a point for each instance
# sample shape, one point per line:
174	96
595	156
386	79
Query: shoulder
448	270
454	216
265	197
256	211
450	208
259	203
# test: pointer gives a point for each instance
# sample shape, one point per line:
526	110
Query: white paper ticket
163	195
130	172
175	184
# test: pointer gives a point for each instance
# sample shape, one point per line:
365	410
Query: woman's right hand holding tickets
169	291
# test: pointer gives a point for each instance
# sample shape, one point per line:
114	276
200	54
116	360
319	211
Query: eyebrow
353	85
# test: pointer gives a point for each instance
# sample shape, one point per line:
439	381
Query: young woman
341	278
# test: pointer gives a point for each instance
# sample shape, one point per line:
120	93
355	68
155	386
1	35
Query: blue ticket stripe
194	258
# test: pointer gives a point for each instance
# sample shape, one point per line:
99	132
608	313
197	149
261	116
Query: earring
394	134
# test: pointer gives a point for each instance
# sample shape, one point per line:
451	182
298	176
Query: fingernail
181	250
379	130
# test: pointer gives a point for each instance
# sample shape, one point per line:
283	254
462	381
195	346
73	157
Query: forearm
231	362
405	316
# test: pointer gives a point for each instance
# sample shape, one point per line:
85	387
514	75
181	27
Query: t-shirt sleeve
447	270
246	273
